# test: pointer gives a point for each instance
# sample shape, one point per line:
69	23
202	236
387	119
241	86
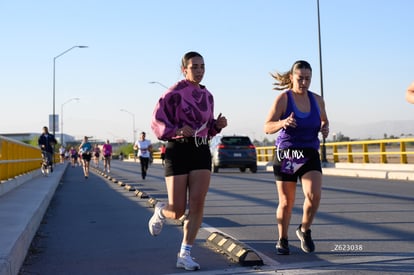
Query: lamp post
133	123
61	117
54	82
159	83
324	159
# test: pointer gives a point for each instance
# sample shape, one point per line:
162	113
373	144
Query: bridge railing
17	158
364	151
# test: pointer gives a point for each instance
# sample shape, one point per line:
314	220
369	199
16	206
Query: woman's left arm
324	117
217	125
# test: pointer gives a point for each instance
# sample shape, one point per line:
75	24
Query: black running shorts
184	156
86	156
291	164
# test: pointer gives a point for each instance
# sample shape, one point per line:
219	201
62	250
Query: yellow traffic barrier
17	158
364	151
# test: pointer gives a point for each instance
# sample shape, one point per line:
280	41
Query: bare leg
312	190
286	192
199	181
177	196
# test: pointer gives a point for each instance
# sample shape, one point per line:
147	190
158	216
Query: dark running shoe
282	247
306	241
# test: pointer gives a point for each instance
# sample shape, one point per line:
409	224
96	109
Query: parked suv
233	152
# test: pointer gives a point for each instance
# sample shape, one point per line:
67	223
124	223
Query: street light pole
54	83
159	83
133	123
61	118
324	159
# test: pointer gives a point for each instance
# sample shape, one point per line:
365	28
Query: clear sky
367	55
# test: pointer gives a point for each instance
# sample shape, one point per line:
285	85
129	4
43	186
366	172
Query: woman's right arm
273	123
163	120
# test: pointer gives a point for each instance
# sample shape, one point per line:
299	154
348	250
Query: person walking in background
299	115
67	155
73	156
86	151
107	152
46	142
144	148
96	155
184	116
162	151
62	151
409	95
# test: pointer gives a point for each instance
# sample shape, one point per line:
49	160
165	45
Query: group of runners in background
86	152
82	155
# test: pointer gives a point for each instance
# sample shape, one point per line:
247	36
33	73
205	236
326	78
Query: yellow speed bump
129	187
236	250
141	194
152	202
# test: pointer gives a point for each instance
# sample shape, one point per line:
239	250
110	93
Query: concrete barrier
21	212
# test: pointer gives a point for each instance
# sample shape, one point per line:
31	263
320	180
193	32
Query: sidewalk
371	170
23	203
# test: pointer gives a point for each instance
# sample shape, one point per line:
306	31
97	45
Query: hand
290	121
185	131
221	122
325	130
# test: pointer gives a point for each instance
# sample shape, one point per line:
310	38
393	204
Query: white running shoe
155	223
187	262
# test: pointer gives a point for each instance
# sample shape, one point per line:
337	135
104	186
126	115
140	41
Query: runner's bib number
291	165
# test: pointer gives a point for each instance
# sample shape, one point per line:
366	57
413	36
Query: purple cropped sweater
184	104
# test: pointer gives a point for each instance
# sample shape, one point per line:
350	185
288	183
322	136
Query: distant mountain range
373	130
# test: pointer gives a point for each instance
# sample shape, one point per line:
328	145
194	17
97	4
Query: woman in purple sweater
300	115
184	116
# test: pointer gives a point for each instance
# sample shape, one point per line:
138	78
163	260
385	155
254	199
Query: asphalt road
95	226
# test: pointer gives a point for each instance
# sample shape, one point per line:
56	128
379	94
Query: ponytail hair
283	80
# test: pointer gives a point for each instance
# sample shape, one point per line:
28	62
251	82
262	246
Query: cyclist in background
46	143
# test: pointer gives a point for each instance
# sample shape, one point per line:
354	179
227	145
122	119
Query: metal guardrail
376	151
364	151
17	158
